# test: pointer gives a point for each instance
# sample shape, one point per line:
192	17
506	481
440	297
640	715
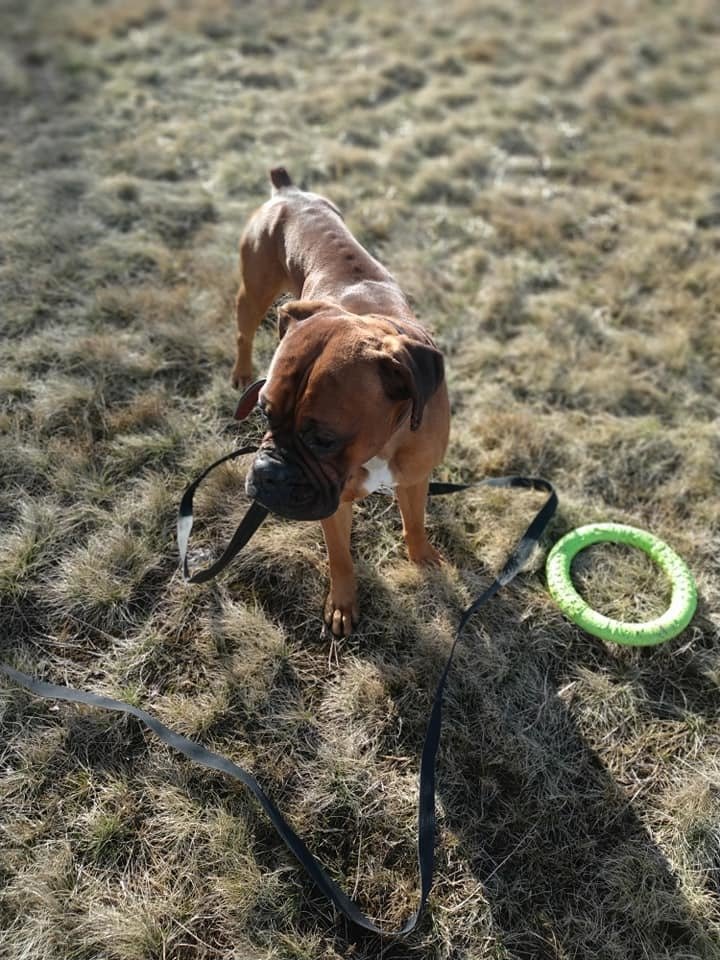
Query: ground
542	178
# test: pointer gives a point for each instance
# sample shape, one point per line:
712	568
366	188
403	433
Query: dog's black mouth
285	485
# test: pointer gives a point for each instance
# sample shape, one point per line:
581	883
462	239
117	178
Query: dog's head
338	387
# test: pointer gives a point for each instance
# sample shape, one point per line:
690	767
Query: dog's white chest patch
379	476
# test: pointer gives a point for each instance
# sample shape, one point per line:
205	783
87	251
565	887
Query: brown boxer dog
355	397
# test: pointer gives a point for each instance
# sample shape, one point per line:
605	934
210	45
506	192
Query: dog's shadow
565	865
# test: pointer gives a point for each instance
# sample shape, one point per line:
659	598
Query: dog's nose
268	472
283	487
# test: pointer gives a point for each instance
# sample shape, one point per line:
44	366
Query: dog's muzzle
289	487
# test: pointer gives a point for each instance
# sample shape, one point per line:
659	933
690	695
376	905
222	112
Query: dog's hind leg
262	279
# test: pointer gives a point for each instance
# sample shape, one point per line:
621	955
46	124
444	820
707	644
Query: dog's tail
280	178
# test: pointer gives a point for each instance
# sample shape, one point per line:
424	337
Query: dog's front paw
341	610
425	555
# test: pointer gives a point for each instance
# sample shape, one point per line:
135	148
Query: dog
355	397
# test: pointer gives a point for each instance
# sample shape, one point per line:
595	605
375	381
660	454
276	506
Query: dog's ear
411	370
294	311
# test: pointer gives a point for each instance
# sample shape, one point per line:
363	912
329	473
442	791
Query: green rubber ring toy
684	591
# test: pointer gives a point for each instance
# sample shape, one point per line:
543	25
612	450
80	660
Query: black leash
207	758
246	528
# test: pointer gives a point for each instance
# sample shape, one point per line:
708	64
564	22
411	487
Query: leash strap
214	761
247	401
246	528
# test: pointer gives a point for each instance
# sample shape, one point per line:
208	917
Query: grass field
544	181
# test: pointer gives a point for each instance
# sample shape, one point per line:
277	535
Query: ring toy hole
621	582
668	625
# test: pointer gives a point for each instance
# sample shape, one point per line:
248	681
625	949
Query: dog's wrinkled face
337	389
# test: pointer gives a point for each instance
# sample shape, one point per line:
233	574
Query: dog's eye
321	443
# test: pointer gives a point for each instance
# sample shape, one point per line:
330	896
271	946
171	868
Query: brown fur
352	357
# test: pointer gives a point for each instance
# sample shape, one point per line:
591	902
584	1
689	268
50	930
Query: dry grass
543	179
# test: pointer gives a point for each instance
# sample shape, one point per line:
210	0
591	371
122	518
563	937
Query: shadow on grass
565	862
